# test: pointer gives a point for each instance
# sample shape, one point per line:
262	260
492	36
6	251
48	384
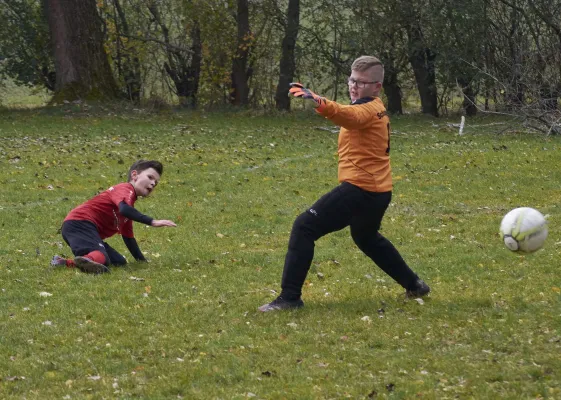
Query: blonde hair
365	63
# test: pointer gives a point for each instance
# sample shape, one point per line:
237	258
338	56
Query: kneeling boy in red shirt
110	212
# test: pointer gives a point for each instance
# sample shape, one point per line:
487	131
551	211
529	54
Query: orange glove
297	90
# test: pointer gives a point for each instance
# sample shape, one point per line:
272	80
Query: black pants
83	238
343	206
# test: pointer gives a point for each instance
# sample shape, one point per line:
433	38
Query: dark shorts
83	238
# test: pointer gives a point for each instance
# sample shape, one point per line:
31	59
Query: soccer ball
524	229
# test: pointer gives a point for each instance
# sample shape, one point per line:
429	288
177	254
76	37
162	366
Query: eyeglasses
359	84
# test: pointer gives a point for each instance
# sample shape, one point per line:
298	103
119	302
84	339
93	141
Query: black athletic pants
83	238
343	206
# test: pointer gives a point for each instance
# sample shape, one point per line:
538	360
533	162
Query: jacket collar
363	100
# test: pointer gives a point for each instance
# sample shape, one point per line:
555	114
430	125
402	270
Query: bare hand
162	222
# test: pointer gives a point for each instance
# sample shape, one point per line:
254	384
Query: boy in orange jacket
363	195
87	226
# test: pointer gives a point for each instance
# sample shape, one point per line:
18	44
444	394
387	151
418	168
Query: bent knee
305	222
306	226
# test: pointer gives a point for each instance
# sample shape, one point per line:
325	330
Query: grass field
186	324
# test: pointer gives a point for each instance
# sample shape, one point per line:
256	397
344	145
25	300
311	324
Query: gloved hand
297	90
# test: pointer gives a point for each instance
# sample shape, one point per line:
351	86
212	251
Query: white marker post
461	132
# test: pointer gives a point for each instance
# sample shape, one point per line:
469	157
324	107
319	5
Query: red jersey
103	211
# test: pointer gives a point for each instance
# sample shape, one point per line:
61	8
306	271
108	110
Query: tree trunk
394	94
240	73
514	96
468	104
287	62
81	65
184	68
422	61
128	63
189	88
391	86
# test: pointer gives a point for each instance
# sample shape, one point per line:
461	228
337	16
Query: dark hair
142	165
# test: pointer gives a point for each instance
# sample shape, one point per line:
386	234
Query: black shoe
58	261
89	266
419	289
281	304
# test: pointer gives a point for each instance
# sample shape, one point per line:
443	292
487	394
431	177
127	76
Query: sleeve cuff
322	106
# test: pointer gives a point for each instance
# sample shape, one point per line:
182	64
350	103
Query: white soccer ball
524	229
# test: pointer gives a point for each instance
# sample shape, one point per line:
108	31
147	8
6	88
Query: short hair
364	63
142	165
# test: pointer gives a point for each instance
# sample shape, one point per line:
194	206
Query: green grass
16	96
186	325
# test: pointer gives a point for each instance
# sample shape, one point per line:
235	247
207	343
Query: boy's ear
134	174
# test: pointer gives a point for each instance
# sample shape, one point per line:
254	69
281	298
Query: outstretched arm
132	245
135	215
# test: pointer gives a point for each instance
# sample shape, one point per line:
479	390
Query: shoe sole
91	267
416	295
268	308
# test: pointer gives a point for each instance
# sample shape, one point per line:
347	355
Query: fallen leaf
14	378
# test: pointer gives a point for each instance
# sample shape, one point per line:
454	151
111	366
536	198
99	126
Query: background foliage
499	55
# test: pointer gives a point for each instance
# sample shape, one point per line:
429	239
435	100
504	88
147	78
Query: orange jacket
364	143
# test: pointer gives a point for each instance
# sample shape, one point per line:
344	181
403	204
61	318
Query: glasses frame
359	84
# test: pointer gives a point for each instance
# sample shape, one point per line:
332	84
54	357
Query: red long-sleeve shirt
103	211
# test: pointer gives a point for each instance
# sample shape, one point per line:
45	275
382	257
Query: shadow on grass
392	304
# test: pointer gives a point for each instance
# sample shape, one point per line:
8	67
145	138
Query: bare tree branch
154	40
